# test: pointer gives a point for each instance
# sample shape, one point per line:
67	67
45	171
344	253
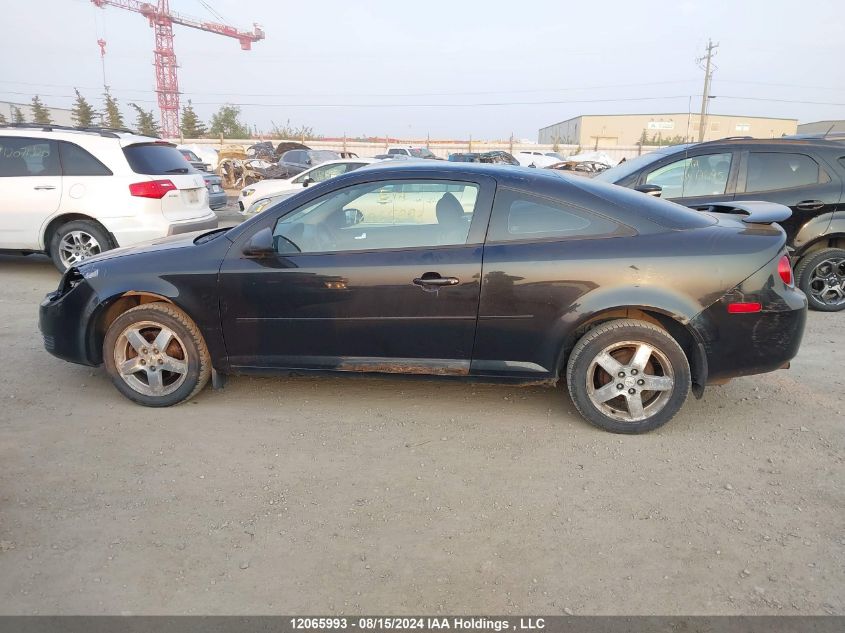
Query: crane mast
162	19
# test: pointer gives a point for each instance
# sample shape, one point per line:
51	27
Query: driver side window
390	215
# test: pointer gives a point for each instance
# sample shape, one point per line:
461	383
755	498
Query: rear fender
672	311
817	229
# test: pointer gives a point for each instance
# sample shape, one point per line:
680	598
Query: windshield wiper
177	170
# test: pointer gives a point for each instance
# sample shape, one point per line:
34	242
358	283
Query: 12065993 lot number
318	623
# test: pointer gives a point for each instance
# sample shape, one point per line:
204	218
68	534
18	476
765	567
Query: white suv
73	193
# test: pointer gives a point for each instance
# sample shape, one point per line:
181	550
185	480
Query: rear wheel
821	276
76	241
628	376
156	356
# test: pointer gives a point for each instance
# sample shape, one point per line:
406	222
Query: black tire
83	227
804	274
628	334
194	355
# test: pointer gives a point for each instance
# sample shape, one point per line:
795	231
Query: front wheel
821	276
628	376
155	355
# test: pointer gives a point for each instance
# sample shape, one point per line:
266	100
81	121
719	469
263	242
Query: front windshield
623	170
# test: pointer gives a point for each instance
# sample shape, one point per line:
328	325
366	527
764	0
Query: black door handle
810	205
436	281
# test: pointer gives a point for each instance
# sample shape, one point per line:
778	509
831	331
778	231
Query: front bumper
63	319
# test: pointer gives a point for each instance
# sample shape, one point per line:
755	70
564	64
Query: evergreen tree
40	114
145	123
226	122
113	116
192	126
2	119
82	112
17	115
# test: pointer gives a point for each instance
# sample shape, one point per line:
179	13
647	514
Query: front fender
190	284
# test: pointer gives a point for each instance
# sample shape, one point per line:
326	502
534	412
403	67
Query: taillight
151	188
744	307
785	271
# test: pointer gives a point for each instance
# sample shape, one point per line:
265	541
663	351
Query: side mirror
308	181
260	244
650	190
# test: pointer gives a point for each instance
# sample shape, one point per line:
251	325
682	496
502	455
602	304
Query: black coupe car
481	271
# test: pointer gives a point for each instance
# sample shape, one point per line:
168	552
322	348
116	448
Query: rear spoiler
757	211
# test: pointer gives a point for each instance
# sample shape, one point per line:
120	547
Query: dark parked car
216	195
448	269
196	162
217	198
298	160
806	174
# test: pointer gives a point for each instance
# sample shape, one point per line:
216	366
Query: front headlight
247	192
259	205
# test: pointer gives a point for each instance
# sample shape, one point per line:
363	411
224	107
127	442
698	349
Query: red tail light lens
151	188
744	307
785	271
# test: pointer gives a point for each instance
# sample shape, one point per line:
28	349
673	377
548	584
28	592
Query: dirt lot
330	495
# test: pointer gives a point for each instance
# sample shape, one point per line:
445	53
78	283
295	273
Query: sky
444	68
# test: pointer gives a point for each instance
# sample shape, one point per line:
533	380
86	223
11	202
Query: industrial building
823	127
602	130
59	116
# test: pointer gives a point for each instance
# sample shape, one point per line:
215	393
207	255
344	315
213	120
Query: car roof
505	174
66	133
784	141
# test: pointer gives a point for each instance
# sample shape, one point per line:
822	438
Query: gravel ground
359	494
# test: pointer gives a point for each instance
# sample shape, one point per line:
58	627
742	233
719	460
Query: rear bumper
148	226
193	225
756	343
217	200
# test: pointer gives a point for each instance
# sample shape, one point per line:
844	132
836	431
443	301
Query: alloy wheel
827	281
151	358
76	246
630	381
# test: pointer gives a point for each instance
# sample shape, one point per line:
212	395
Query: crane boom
162	19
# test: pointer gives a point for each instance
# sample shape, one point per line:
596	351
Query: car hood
183	240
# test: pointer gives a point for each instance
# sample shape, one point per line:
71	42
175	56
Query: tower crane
162	19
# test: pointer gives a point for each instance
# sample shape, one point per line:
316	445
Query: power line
458	105
405	94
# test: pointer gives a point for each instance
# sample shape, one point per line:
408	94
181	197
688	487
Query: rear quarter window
519	215
663	212
156	159
79	162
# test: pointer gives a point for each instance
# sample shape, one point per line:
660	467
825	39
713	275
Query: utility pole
705	95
